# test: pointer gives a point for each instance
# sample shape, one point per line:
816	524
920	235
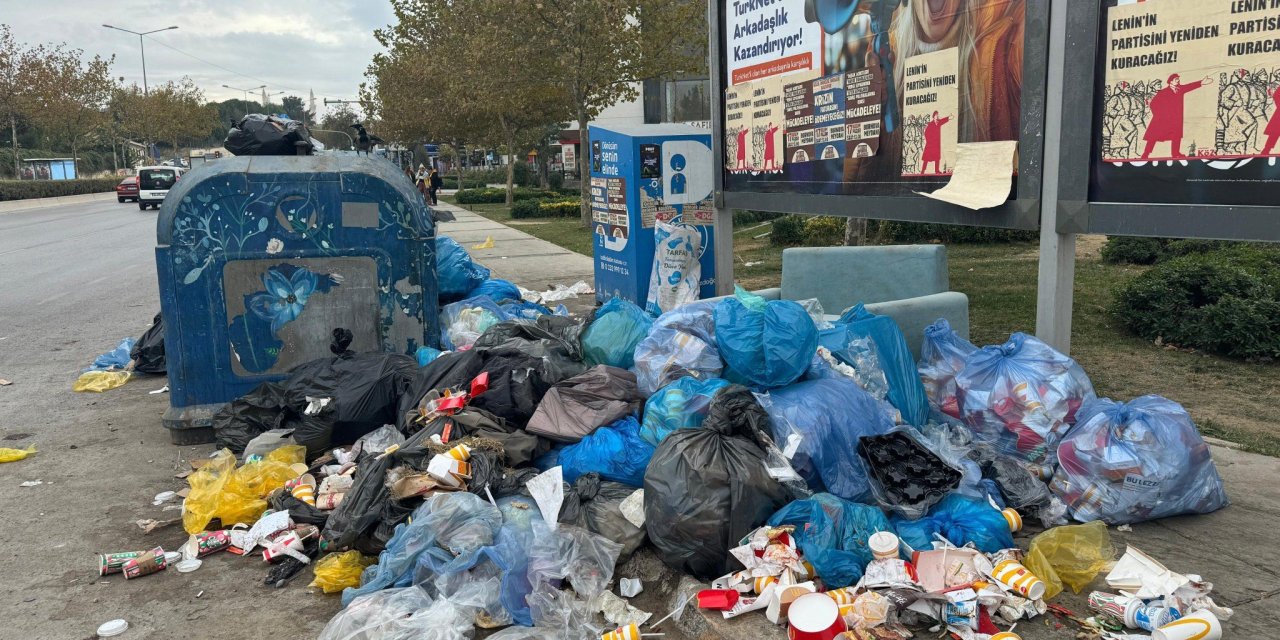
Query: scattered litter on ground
164	389
5	383
487	244
14	455
31	483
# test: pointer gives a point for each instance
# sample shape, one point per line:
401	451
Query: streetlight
142	46
246	94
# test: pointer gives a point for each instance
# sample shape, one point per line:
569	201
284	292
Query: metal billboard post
1056	280
724	215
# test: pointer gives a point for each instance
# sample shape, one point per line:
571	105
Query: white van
154	183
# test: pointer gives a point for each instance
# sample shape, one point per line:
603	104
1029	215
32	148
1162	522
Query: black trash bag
1020	488
574	408
706	488
593	504
513	482
564	334
262	135
245	418
287	569
148	351
453	370
519	447
523	362
299	511
368	506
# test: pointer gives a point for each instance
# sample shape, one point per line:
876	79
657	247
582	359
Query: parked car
154	183
127	189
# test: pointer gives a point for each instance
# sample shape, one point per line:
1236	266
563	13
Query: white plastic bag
676	267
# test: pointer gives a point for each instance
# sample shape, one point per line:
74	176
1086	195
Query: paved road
74	280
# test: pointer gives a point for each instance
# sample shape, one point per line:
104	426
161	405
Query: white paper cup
1200	625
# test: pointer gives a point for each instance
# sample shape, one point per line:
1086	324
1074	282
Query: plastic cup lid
113	628
171	557
188	565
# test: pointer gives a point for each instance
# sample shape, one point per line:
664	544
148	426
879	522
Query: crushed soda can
109	563
149	562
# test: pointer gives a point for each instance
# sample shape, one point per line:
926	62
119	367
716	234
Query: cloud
289	45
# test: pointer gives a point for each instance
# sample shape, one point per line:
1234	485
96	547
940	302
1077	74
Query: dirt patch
1089	246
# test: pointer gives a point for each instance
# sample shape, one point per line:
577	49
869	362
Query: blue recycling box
260	258
640	174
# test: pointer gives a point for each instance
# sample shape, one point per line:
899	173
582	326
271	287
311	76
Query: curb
12	206
1225	444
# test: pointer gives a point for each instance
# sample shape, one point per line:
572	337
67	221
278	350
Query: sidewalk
517	256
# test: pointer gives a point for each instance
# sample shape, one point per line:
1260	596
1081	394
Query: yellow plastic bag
337	571
14	455
1072	555
220	490
99	381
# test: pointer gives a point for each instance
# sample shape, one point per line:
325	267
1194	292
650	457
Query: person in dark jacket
433	185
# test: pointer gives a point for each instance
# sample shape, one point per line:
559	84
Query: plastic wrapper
905	475
456	274
236	495
960	520
677	267
497	290
612	337
819	423
401	614
148	352
862	355
586	560
683	404
8	454
1070	555
463	322
832	534
766	349
615	451
117	358
338	571
426	355
943	354
708	487
1021	397
381	439
453	370
574	408
1136	461
99	381
905	391
682	342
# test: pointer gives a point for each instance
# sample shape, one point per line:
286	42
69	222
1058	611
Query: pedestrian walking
434	182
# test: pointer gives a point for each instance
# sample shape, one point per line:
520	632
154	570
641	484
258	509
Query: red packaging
146	564
720	599
211	542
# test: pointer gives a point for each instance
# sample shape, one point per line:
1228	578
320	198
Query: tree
292	107
22	70
75	96
177	113
340	118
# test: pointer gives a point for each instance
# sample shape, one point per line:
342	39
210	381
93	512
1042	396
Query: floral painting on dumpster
254	334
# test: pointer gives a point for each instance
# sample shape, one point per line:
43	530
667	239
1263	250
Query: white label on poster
770	38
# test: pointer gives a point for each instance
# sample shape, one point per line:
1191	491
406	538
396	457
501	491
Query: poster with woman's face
809	40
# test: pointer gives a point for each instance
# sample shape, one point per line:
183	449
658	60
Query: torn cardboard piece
983	175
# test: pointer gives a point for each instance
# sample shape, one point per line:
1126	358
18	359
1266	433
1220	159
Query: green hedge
824	231
1134	250
451	182
746	216
24	189
568	208
918	233
493	195
1225	302
788	231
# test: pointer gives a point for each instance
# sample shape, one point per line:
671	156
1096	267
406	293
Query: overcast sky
289	45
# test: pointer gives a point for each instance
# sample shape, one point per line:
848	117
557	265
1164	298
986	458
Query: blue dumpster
260	258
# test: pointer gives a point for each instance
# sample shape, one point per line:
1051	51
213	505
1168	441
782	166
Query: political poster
929	114
737	128
798	106
767	118
862	90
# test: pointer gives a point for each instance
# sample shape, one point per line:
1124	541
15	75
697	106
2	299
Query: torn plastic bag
766	349
683	404
615	451
453	370
401	614
464	321
99	381
960	520
117	358
706	488
942	356
906	476
832	535
235	495
677	266
862	356
1126	462
525	311
381	439
264	135
299	511
364	391
819	422
586	560
598	510
266	442
497	289
905	391
1021	397
575	407
457	274
682	342
612	337
338	571
368	503
1071	554
148	352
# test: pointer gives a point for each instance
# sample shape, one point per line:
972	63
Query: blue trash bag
942	356
832	534
822	421
525	311
767	349
961	520
117	358
905	391
682	342
462	322
497	289
683	404
396	562
612	337
1126	462
456	273
1021	397
427	355
615	451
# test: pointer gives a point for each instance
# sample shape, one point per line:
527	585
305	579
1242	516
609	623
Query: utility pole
246	95
146	126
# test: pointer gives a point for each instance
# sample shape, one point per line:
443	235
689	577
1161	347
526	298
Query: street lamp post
246	95
142	46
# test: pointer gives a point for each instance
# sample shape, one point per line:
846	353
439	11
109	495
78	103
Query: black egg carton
910	475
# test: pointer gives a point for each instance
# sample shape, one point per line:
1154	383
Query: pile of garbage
807	468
